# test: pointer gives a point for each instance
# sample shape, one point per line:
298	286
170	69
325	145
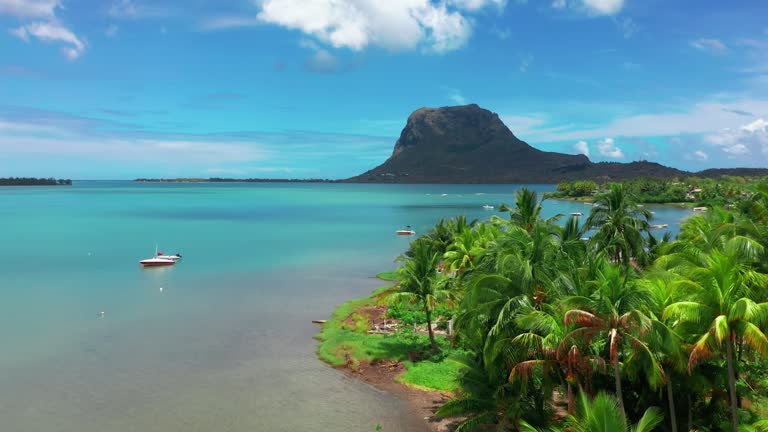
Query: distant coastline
230	180
33	181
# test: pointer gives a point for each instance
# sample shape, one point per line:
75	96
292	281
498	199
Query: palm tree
620	224
724	283
613	311
541	346
486	397
527	210
604	414
420	282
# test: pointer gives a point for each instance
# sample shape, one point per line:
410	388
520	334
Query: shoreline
344	344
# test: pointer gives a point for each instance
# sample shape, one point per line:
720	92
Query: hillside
469	144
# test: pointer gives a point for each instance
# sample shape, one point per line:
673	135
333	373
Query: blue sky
321	88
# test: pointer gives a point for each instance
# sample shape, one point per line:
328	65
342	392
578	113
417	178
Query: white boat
699	209
406	231
170	257
577	214
157	262
659	226
160	259
488	207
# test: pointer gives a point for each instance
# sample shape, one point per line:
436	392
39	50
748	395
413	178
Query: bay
226	344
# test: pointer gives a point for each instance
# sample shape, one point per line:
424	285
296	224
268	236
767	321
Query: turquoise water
227	343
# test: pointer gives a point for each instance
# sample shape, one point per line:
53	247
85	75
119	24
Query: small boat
406	231
699	209
488	207
659	226
160	259
577	214
157	262
586	239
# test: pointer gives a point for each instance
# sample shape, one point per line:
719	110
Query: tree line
32	181
619	331
724	190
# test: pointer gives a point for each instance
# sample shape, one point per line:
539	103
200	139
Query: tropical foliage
621	331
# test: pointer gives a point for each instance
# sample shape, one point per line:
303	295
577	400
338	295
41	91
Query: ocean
223	340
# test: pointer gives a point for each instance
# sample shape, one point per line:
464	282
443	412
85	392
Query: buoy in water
161	289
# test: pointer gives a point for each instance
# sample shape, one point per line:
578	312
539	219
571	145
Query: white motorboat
407	231
577	214
488	207
160	259
157	262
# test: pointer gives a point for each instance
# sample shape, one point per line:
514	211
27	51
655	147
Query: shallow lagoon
227	343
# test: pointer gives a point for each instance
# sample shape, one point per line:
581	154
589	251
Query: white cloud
714	46
627	26
322	62
230	22
132	9
697	155
52	32
456	97
393	25
591	7
701	118
607	147
582	147
29	8
750	141
473	5
111	30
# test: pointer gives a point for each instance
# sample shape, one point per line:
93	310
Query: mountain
469	144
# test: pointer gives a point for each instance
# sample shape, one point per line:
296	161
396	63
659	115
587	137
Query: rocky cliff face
469	144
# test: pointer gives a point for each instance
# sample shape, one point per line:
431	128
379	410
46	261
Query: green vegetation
31	181
431	375
620	332
725	190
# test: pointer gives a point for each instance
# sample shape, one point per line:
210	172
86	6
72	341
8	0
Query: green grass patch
344	338
429	375
388	276
340	338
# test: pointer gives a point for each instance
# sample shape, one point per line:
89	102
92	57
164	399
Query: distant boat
160	259
699	209
584	239
488	207
157	262
577	214
406	231
659	226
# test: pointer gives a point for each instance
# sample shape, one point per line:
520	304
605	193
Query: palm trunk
432	340
672	414
617	379
571	402
732	384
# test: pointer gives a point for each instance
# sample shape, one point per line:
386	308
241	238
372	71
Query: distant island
32	181
469	144
230	180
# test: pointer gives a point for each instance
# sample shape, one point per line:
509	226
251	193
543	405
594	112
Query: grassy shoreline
344	342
